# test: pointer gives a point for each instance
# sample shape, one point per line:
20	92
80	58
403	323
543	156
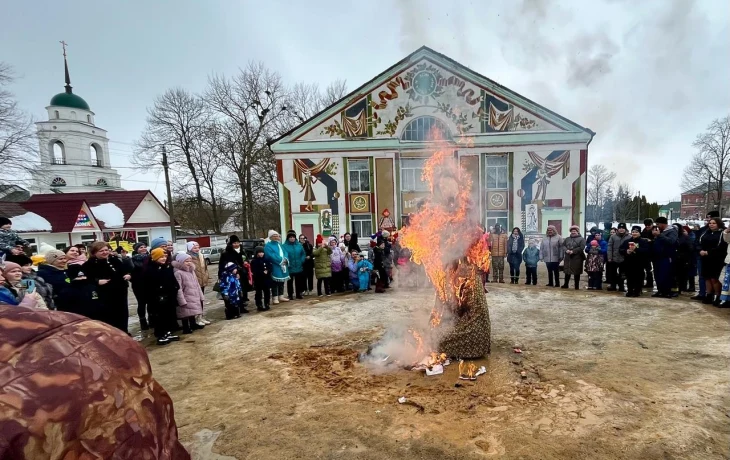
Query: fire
467	372
446	218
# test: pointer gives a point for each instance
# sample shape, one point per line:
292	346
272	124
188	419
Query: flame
467	372
444	238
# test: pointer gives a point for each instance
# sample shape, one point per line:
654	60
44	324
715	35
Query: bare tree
18	147
709	170
306	100
181	122
625	207
599	180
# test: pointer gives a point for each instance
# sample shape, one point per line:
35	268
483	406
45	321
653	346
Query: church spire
65	64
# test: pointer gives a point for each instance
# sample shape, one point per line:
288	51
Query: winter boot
163	341
709	299
143	324
186	326
260	307
275	300
199	320
717	302
283	299
194	325
567	282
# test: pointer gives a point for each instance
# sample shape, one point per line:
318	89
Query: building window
88	118
58	182
95	154
362	224
497	217
58	153
61	246
102	182
88	238
56	114
497	172
73	115
425	129
359	171
411	175
143	237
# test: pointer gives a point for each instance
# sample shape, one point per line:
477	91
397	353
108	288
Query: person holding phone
112	279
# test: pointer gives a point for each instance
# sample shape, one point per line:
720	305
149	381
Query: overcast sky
645	76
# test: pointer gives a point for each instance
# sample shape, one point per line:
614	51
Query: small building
697	201
357	165
59	220
671	210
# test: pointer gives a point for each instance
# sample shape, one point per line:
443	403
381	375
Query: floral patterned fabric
73	388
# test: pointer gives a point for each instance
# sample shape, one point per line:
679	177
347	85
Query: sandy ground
607	378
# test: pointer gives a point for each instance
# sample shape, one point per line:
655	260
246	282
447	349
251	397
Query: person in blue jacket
515	246
531	257
602	244
363	268
296	256
275	253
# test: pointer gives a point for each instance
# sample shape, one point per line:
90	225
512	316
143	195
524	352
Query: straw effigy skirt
471	336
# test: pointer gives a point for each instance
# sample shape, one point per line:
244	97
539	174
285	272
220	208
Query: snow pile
30	222
110	214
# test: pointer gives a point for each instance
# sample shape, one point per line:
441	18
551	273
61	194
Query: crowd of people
169	287
626	260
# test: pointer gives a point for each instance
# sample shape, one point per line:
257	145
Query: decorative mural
428	89
305	173
539	171
360	203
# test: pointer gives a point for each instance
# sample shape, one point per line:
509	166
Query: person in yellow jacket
498	243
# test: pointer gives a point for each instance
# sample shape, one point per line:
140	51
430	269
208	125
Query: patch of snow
110	214
31	222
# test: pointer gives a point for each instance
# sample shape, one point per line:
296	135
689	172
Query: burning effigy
445	238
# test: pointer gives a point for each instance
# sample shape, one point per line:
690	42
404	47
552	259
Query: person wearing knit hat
157	254
615	269
158	242
42	287
189	296
139	259
297	284
594	266
234	254
261	270
26	297
275	254
322	266
201	274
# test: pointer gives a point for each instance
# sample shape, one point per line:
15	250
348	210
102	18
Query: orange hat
157	254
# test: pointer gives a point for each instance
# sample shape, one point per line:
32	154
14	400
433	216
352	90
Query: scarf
78	260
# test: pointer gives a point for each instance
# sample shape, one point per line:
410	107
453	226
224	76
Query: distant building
74	151
59	220
363	157
695	202
671	210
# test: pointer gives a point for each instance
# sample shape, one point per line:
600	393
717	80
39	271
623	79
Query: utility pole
169	195
638	212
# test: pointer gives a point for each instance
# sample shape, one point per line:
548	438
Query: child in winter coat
8	237
190	296
351	262
24	293
531	257
230	290
261	269
337	265
322	266
594	266
363	268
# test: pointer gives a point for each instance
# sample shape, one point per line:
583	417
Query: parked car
212	255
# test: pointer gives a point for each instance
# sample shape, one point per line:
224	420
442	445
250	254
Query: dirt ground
607	378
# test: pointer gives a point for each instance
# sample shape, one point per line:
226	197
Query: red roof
62	218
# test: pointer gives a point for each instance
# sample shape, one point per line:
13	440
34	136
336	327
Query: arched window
102	182
95	153
73	115
425	129
57	115
59	153
88	118
58	182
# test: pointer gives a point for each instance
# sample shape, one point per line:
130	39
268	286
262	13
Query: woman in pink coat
189	297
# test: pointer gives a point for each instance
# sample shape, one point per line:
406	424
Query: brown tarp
75	389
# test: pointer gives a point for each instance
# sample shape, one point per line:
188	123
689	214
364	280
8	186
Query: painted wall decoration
427	89
326	222
307	174
83	221
539	170
497	200
360	202
531	219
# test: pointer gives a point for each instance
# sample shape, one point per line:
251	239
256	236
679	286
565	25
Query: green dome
69	100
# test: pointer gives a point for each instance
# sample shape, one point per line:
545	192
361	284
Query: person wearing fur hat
635	251
111	277
296	256
615	274
322	266
161	290
276	255
189	296
140	258
574	250
201	274
261	269
308	264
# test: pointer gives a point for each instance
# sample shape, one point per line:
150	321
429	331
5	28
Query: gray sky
646	78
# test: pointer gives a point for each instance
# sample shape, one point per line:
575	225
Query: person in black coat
352	243
684	259
713	250
702	288
379	265
636	252
646	233
140	258
234	253
160	289
515	246
308	264
111	277
261	271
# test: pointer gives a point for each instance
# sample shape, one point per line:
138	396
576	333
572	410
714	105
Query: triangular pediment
428	84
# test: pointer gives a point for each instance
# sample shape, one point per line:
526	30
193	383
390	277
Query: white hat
273	233
191	245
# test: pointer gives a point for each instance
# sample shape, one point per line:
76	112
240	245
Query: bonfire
444	236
